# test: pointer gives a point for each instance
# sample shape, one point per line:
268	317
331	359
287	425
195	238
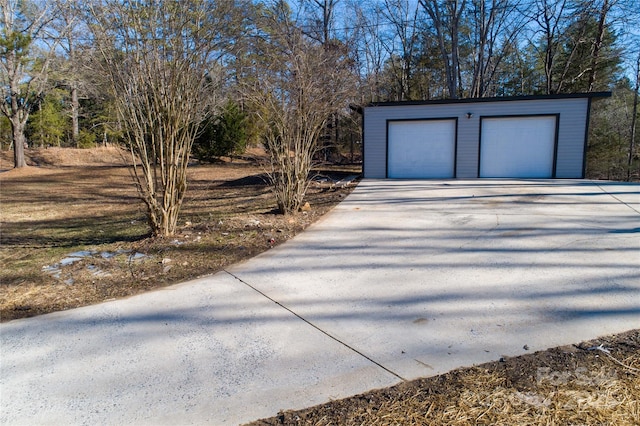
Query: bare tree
321	14
70	73
618	17
367	47
401	42
495	27
25	54
301	84
318	23
603	11
563	27
446	18
159	58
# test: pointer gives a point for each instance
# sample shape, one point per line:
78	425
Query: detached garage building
519	137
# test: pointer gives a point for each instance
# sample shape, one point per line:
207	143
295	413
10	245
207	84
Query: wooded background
210	77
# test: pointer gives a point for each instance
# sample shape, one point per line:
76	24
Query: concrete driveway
404	279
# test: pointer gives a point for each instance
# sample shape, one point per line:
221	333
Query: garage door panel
421	149
517	147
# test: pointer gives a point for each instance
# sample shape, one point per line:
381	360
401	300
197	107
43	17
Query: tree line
175	78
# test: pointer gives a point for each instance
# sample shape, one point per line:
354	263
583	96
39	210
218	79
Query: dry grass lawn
83	202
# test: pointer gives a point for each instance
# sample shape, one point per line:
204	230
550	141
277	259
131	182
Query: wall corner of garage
374	162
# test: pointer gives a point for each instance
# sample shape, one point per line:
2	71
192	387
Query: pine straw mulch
592	383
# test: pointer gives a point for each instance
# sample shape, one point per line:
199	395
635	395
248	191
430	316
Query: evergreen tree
222	135
48	124
574	64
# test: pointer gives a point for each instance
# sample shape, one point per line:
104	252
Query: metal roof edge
495	99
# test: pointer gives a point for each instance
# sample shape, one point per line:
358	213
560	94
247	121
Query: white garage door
517	147
421	149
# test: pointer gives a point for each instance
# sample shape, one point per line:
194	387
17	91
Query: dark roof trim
589	95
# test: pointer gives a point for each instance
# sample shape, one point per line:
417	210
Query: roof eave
495	99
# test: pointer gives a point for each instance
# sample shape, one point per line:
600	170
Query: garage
421	149
517	147
522	137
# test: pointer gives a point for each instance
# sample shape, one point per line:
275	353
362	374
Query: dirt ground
73	233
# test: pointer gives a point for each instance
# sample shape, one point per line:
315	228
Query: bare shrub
299	83
158	55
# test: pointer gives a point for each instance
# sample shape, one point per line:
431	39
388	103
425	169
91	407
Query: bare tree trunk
322	20
447	28
401	16
549	14
455	48
327	7
550	46
369	50
41	129
564	25
597	45
75	107
480	45
17	129
496	27
18	119
634	116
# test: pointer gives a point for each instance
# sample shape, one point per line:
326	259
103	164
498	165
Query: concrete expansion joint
351	348
616	198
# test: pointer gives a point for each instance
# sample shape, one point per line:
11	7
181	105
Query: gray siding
571	131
